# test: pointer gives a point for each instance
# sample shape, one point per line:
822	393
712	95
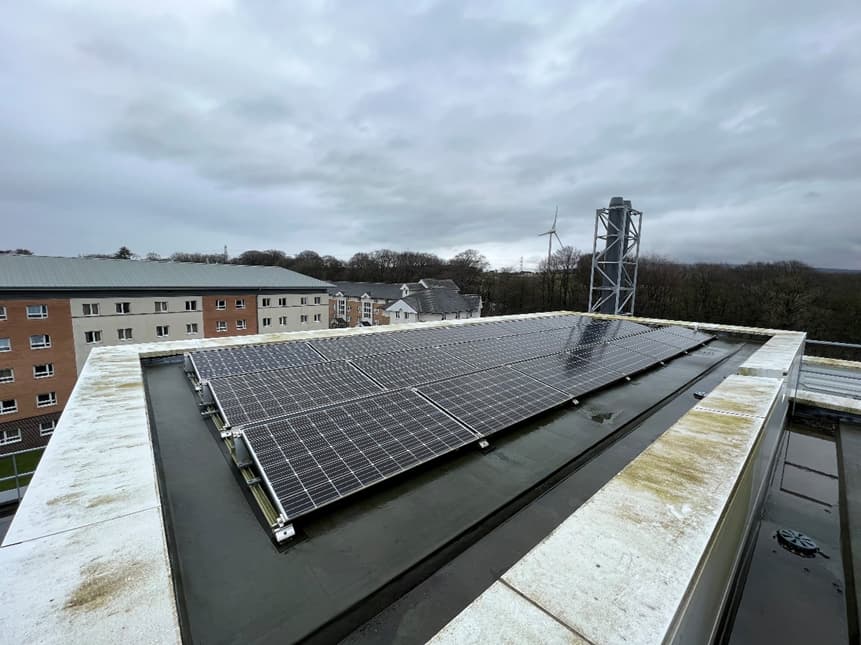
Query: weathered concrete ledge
626	567
831	402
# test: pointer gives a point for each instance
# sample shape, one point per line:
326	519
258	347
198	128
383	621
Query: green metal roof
33	272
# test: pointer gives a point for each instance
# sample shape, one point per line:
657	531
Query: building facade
356	304
53	311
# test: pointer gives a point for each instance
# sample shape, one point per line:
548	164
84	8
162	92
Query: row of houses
54	311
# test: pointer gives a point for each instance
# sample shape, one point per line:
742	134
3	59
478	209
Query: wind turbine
550	235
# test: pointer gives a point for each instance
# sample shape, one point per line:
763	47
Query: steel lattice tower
613	286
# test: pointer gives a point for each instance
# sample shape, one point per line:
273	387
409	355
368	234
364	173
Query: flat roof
21	273
98	482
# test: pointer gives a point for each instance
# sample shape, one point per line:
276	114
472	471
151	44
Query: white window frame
241	325
3	315
220	325
49	372
5	346
191	329
318	300
318	318
282	302
240	303
95	336
282	320
160	306
10	436
342	307
266	322
303	300
397	314
220	305
93	309
265	302
47	431
50	401
123	308
303	318
368	306
7	379
46	344
162	331
124	333
406	315
191	305
12	409
41	314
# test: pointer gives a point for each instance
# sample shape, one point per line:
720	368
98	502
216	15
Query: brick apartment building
53	311
356	304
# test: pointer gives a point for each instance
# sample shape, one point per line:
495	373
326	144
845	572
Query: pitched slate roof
382	290
441	301
35	272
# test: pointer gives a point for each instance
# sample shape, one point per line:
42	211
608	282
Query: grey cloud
437	126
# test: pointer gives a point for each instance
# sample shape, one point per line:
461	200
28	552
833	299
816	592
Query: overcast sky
734	125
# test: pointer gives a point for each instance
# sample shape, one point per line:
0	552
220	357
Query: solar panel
433	336
213	363
411	367
615	358
647	345
263	395
357	345
501	351
314	458
681	342
574	376
492	400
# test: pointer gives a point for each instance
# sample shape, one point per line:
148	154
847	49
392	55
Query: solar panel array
327	417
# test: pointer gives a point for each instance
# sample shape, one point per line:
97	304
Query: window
7	375
191	328
9	406
317	300
442	317
5	345
406	315
40	341
267	322
90	308
46	428
366	309
282	320
160	306
265	302
241	324
397	314
191	305
2	313
43	371
457	315
240	303
303	300
161	331
10	436
92	336
46	400
317	318
124	307
303	318
221	304
221	325
342	308
37	311
124	334
282	302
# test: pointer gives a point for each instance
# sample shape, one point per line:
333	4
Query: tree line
780	295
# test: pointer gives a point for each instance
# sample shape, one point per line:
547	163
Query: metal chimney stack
613	286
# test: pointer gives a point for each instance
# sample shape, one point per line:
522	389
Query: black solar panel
682	343
263	395
411	367
574	376
492	400
212	363
433	336
314	458
500	351
357	345
646	344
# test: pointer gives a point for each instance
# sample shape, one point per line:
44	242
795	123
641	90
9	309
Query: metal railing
14	494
